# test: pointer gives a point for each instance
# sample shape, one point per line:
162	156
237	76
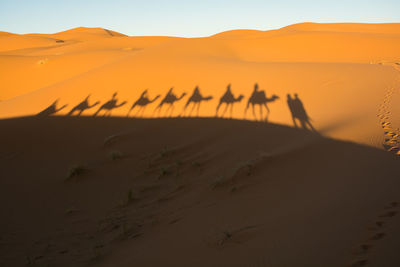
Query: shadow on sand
228	99
299	113
142	102
258	97
51	110
81	107
109	106
169	99
195	99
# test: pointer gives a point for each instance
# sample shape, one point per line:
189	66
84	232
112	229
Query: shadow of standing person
298	112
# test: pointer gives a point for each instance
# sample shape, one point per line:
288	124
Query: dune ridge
328	65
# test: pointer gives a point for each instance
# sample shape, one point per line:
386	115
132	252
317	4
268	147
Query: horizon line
177	36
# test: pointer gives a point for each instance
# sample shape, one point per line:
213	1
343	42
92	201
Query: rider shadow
299	113
258	97
142	102
82	106
50	110
109	106
169	99
229	100
196	98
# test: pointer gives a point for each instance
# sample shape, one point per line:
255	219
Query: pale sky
186	18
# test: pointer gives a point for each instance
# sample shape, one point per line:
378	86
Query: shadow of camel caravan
109	106
169	99
258	97
229	100
142	102
195	99
81	107
51	110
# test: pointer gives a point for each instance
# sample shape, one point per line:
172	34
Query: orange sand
340	71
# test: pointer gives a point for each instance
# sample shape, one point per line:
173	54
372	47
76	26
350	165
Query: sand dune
85	183
328	65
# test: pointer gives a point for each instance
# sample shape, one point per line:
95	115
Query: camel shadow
142	102
109	106
299	113
196	98
229	100
169	99
50	110
258	97
82	106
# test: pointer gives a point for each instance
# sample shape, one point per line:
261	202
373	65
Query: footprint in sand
365	247
391	135
378	226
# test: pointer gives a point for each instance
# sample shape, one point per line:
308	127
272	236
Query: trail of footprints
392	136
378	233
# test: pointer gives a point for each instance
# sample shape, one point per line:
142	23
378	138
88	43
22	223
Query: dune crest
332	67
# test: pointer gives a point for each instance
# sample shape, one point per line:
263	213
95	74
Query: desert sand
88	177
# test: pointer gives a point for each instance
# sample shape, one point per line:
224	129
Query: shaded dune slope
200	192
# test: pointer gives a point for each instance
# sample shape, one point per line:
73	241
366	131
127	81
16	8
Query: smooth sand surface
198	192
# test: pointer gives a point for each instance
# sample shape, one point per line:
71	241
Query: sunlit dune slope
340	71
195	192
34	61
